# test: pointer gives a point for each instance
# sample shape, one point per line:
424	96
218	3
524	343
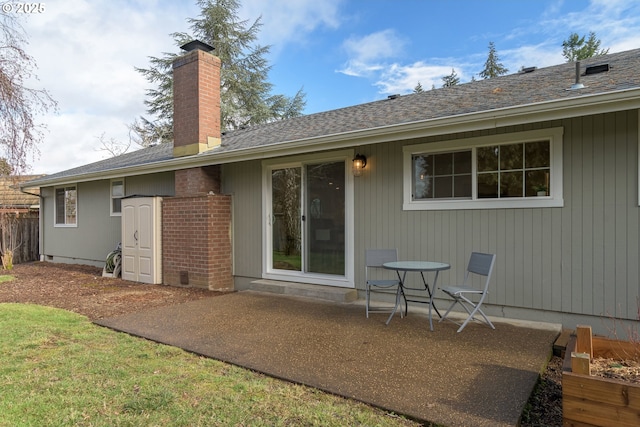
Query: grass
59	369
5	278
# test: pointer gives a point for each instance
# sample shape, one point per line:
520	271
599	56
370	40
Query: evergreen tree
450	80
492	67
418	88
576	48
245	92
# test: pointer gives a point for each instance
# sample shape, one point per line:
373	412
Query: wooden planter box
595	401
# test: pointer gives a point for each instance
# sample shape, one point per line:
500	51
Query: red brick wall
198	181
196	241
196	98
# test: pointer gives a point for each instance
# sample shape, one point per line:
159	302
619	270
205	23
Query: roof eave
620	100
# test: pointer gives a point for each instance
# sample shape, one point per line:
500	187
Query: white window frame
554	199
55	206
111	196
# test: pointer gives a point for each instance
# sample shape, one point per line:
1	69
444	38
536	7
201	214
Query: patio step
329	293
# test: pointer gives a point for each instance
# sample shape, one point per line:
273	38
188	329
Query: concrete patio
479	377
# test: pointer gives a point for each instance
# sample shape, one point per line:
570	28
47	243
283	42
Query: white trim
638	164
346	281
555	199
55	207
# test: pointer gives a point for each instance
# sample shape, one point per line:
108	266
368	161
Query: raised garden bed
589	400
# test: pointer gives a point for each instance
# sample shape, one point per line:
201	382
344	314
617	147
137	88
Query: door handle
135	235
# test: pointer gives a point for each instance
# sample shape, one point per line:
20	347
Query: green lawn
59	369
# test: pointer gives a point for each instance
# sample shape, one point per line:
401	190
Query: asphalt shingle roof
518	89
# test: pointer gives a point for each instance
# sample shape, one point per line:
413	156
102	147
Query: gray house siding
244	182
549	259
97	232
160	184
553	263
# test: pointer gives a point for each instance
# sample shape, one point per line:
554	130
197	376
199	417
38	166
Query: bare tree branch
20	134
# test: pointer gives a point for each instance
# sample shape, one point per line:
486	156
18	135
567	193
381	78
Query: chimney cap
196	45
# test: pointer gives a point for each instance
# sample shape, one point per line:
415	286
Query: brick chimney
196	222
196	100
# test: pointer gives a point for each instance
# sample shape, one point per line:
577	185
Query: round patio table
403	267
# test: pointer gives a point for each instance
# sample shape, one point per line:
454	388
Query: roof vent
595	69
397	95
528	70
577	84
196	45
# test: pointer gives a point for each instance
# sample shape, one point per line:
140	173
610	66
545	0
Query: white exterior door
141	240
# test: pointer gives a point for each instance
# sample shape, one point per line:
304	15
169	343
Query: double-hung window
117	193
517	170
66	206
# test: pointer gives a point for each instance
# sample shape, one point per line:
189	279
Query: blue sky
340	52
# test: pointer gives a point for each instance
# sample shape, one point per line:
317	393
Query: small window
117	193
66	203
501	171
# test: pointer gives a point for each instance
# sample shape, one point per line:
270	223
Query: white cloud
367	54
86	51
403	79
286	21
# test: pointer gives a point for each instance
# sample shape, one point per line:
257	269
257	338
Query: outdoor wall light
359	162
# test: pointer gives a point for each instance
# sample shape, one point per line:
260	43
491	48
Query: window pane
511	157
511	184
443	164
422	167
488	186
443	187
116	205
70	205
325	186
59	205
487	158
462	162
537	181
117	189
287	234
462	186
537	154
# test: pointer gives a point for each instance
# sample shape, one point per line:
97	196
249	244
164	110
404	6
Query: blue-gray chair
479	265
379	281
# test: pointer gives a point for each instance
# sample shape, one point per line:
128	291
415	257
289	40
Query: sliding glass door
307	220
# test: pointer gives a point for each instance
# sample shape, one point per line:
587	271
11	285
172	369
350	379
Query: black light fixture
359	162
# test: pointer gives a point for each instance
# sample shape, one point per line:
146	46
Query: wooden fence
20	231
